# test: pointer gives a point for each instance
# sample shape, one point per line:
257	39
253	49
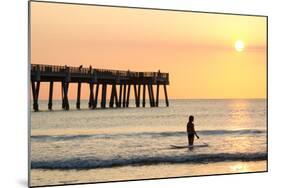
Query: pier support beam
50	103
96	96
120	96
157	95
137	94
124	96
91	97
143	96
113	97
128	96
103	96
65	102
166	95
78	95
152	96
62	96
35	93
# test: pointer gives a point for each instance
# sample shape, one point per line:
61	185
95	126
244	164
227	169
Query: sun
239	45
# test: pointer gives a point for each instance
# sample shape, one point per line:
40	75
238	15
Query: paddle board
186	146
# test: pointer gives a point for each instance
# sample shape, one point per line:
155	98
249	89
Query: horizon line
258	98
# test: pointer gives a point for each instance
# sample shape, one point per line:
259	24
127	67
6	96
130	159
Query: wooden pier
126	81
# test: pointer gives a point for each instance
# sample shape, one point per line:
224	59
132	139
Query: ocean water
80	146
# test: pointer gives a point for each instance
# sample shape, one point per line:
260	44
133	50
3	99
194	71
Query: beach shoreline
42	177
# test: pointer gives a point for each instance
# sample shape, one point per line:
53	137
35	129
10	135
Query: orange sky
197	49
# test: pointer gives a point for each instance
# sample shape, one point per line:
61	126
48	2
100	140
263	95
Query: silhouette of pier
97	78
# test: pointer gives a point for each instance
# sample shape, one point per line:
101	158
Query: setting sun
239	45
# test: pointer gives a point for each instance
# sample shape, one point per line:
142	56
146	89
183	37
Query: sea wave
144	134
94	163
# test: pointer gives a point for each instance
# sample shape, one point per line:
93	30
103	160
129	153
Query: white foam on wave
92	163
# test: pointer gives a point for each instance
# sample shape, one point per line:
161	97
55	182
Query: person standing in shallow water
190	130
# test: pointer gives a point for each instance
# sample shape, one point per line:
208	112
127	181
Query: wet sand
54	177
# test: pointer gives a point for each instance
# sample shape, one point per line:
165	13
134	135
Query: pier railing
99	73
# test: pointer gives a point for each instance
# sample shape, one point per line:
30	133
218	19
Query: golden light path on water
239	111
240	167
240	115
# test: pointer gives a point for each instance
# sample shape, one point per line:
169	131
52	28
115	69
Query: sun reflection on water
239	112
241	167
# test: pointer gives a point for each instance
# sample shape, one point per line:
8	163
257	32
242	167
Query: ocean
81	146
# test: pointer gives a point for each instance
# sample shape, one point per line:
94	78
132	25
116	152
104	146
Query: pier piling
96	96
128	95
91	96
124	96
139	92
157	95
152	96
35	92
115	96
65	86
78	95
143	96
50	103
166	95
112	96
103	96
120	96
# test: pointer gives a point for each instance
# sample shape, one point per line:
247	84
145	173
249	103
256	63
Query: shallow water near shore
81	146
45	177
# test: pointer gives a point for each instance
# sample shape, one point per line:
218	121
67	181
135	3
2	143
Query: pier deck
99	77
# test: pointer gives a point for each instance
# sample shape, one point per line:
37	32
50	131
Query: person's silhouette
190	130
